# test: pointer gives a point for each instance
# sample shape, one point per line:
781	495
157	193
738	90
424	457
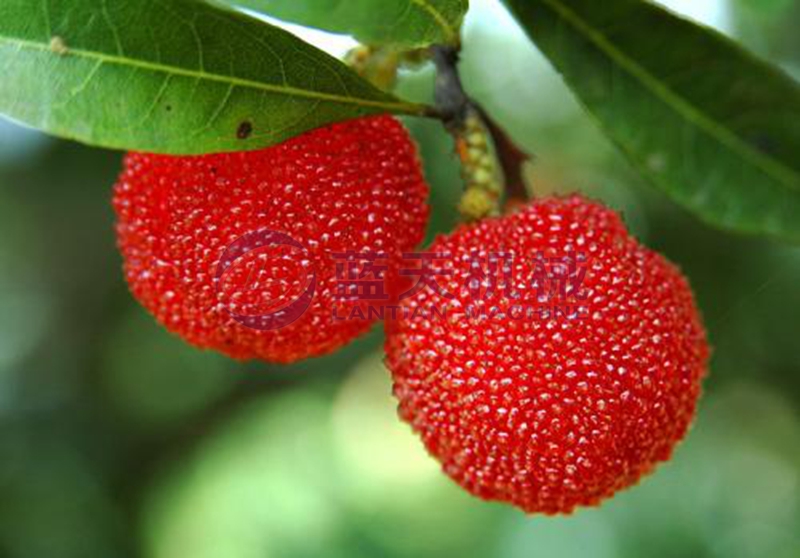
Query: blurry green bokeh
145	370
117	439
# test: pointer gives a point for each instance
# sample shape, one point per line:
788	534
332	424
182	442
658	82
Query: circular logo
252	251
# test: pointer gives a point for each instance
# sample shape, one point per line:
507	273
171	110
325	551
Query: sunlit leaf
711	125
406	23
172	76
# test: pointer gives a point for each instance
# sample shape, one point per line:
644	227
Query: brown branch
454	106
512	158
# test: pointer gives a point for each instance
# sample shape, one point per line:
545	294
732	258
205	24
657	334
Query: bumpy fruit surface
354	186
542	400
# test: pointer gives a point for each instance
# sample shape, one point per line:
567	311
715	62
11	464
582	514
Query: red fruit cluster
353	186
550	412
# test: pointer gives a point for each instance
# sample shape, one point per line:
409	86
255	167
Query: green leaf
402	23
708	123
170	76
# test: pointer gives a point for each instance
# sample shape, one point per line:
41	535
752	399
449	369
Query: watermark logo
253	250
360	276
478	285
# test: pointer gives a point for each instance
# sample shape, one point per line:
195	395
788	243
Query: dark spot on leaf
169	108
244	130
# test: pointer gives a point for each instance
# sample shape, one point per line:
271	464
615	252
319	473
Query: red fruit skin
552	414
354	185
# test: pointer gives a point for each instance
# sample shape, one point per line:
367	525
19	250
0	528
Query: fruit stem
451	98
492	164
513	160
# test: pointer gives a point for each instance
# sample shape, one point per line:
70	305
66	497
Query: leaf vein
112	27
440	20
683	107
388	105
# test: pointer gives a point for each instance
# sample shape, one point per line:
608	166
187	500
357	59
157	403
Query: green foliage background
118	440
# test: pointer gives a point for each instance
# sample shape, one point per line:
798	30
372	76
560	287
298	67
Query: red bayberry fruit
569	386
354	186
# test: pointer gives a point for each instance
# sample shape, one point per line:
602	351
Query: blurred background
118	440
